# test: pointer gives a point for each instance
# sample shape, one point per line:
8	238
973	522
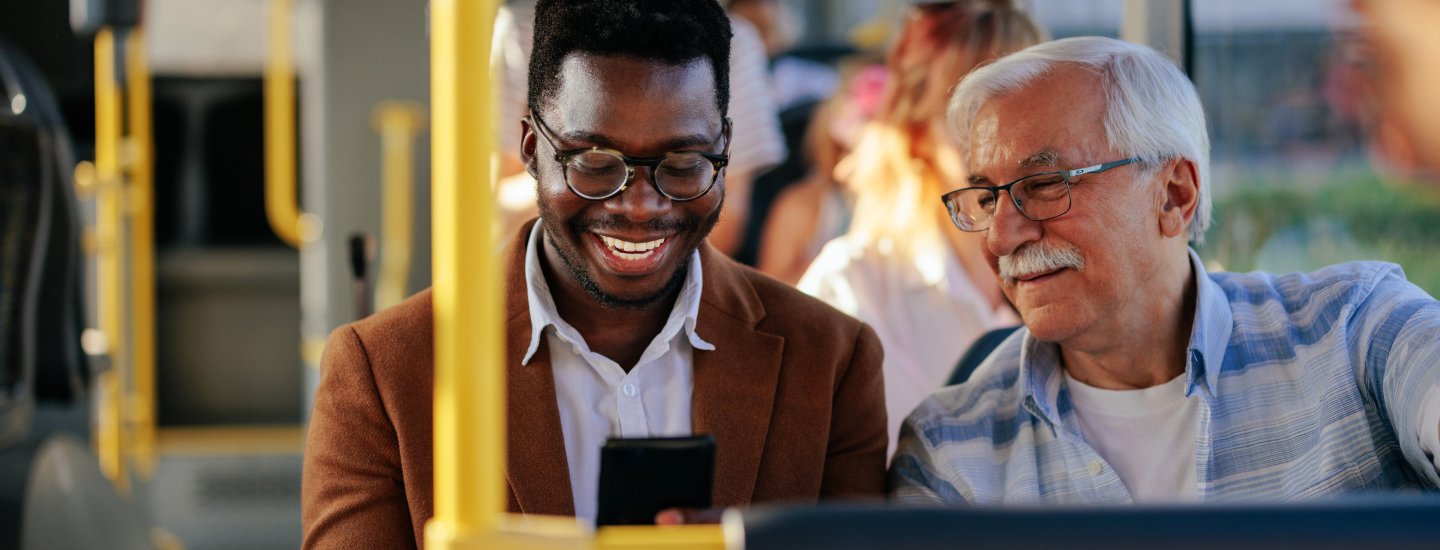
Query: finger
670	516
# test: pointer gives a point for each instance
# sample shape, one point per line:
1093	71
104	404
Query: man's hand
689	516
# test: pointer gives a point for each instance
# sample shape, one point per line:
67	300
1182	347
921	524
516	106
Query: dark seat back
40	319
978	352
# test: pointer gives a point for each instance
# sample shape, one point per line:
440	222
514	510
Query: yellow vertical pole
469	431
140	162
109	230
282	206
469	344
398	122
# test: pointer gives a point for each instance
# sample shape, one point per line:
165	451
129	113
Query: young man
622	322
1139	376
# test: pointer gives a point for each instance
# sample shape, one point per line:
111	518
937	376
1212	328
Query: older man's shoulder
1300	292
984	407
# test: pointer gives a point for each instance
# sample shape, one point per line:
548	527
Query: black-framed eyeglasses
598	173
1038	197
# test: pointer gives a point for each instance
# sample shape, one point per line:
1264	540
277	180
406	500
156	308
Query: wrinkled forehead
1055	120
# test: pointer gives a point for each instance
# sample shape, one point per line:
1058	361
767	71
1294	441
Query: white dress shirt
596	397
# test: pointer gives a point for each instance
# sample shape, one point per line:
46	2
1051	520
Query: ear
1180	199
527	147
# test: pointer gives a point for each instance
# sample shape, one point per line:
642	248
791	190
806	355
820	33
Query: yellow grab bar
470	436
469	344
109	231
282	205
142	253
398	122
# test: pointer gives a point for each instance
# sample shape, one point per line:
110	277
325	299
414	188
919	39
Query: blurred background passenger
1406	47
926	291
815	210
793	79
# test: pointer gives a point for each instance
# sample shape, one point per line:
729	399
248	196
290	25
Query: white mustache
1039	258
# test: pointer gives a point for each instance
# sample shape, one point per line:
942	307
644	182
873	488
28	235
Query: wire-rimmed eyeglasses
1038	197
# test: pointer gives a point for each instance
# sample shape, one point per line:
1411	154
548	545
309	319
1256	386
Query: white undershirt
597	399
1148	435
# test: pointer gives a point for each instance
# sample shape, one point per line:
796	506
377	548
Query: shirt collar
1040	375
543	312
1209	332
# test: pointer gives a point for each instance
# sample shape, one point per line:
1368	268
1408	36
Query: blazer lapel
734	385
538	471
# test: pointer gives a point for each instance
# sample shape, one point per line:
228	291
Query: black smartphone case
641	477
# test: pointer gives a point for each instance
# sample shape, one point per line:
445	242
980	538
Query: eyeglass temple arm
1099	167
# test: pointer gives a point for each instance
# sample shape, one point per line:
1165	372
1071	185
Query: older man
1139	376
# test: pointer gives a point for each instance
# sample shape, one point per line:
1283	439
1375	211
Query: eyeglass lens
681	175
1039	197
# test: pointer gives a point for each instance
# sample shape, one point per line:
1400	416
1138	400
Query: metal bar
1156	23
282	206
109	231
398	122
142	253
469	345
470	423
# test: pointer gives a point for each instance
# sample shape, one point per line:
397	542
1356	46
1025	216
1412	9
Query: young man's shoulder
407	323
787	308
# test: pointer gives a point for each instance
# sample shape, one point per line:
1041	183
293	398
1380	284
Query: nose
641	200
1009	229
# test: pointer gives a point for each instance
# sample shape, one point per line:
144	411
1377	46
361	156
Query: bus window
1296	184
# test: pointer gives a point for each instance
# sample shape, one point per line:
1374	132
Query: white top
596	397
925	310
757	143
1148	435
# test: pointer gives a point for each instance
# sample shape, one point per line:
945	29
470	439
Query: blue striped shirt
1311	384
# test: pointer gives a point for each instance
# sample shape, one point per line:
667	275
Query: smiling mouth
1033	277
632	251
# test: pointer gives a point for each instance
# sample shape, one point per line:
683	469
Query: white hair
1152	109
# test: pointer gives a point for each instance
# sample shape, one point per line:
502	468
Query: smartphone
641	477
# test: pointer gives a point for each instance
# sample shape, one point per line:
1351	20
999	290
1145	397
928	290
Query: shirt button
628	390
1096	467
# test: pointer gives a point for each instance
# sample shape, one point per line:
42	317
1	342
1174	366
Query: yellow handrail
140	161
109	230
469	344
470	436
397	122
282	206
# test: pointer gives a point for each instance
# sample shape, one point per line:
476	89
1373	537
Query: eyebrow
1043	158
692	141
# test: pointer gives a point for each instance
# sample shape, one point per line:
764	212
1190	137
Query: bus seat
978	352
52	493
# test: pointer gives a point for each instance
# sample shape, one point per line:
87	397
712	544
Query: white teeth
636	250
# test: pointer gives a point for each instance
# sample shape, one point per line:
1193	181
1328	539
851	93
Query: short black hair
673	32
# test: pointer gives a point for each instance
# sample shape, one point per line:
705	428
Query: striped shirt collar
543	312
1046	398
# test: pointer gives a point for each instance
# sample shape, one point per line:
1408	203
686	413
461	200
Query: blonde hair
892	171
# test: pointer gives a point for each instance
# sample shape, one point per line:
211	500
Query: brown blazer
792	394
